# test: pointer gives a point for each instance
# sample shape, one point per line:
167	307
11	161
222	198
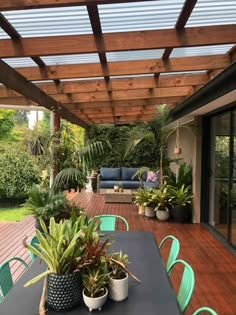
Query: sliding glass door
222	192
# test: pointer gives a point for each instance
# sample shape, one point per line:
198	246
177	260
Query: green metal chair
6	282
34	240
174	250
108	221
205	309
186	284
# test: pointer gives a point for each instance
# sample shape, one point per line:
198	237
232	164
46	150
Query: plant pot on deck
181	214
162	215
63	291
149	212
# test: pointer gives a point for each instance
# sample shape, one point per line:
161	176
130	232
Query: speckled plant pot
63	291
118	288
95	303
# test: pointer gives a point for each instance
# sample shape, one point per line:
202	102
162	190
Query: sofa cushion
109	173
108	183
128	172
130	184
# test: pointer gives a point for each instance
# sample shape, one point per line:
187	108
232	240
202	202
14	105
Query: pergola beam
12	79
137	40
37	4
116	84
127	68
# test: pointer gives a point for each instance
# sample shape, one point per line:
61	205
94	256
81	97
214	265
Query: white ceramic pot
149	212
141	210
95	303
162	215
118	288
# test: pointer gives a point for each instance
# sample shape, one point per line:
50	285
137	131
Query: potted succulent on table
139	199
161	198
181	199
118	276
95	282
63	248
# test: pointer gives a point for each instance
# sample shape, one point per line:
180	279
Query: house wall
190	137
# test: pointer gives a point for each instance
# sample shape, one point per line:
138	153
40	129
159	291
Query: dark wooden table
154	296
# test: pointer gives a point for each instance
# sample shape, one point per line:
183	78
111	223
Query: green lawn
12	213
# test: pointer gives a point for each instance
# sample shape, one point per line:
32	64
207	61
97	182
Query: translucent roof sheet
201	51
50	22
183	72
146	15
70	59
20	62
82	79
130	76
134	55
213	12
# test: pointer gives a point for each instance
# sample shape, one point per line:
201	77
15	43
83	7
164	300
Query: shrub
17	173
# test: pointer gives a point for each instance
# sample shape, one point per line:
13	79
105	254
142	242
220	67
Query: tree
20	117
6	124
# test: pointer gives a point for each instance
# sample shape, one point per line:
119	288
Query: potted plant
161	198
43	203
181	199
139	199
95	281
118	276
63	249
148	203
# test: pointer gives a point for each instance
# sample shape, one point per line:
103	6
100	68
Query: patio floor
214	266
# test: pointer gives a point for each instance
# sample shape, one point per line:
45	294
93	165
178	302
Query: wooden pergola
97	93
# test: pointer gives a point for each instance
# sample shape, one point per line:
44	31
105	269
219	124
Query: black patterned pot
63	291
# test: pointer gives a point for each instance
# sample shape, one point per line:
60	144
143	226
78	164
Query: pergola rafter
92	92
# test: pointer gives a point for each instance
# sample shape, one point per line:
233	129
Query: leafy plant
62	246
182	196
117	264
140	197
184	176
17	172
161	198
95	281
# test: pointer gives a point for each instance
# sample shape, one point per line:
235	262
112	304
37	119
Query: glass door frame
206	169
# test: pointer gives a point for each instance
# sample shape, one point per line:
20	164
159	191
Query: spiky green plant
62	246
95	280
117	263
182	196
161	198
140	197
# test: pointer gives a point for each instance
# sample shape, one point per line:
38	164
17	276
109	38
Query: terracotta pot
95	303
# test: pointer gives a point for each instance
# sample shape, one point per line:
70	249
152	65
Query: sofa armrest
98	183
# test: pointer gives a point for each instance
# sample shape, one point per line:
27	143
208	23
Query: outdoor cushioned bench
122	176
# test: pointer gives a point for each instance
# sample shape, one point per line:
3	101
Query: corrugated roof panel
70	59
201	50
137	16
82	79
184	72
3	34
134	55
130	76
20	62
213	12
50	22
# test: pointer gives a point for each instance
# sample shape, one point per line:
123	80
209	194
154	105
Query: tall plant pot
162	215
118	288
141	210
63	291
181	214
149	212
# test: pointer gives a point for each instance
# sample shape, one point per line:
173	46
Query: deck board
214	266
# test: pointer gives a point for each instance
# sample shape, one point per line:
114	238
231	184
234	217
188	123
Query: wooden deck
214	266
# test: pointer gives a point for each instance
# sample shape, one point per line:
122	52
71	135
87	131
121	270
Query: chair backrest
186	284
108	221
34	240
6	282
205	309
174	250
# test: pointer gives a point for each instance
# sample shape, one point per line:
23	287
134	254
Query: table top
153	296
112	192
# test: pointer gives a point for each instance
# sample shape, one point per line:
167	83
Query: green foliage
184	176
12	213
17	173
95	281
161	197
117	264
182	196
20	117
140	196
146	153
6	124
63	246
43	203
